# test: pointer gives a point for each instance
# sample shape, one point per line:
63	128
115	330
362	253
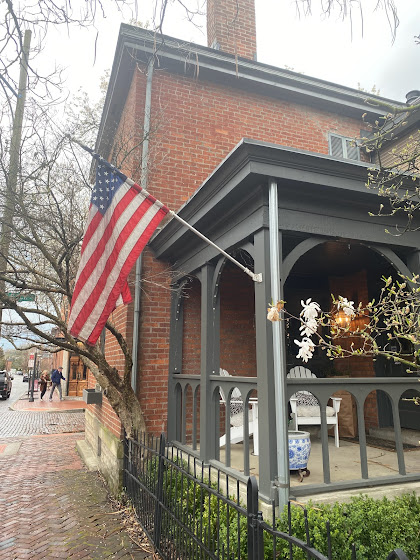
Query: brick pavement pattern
22	423
52	507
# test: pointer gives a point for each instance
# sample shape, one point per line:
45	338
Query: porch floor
344	465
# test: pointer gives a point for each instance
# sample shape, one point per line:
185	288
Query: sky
327	48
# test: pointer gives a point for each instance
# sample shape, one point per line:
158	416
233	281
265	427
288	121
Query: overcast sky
326	48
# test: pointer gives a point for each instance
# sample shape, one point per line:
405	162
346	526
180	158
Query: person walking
56	377
43	381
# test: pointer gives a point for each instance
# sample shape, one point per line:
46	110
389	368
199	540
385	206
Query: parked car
19	372
25	376
5	384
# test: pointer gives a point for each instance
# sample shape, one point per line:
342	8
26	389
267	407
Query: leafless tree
51	203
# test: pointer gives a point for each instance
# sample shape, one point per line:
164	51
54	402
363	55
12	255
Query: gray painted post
397	432
324	443
279	350
216	346
265	370
175	358
210	331
362	439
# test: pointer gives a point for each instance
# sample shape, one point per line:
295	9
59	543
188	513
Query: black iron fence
195	511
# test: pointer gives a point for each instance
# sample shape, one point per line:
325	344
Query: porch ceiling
318	195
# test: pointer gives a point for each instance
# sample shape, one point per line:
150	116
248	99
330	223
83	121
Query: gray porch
325	237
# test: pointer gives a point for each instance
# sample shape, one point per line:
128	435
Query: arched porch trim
312	242
295	254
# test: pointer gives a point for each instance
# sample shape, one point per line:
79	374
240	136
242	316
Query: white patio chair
237	416
305	408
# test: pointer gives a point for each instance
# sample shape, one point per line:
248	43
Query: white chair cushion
306	398
313	411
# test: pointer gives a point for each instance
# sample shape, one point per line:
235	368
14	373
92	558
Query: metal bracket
257	277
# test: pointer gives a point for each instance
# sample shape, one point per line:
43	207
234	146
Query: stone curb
87	455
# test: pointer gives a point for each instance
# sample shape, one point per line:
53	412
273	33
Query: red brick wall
232	24
191	347
152	383
237	323
201	122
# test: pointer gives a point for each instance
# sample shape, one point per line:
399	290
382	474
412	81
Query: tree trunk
120	396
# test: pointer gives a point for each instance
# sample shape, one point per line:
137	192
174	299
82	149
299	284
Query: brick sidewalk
52	507
15	423
44	405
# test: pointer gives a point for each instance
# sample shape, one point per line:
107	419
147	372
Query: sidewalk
51	506
66	405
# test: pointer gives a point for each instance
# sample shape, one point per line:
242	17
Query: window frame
344	140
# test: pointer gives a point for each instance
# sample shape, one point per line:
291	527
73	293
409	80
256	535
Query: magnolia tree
394	317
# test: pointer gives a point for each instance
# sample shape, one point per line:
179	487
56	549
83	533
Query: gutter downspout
144	180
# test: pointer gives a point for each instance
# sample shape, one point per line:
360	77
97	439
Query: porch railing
185	422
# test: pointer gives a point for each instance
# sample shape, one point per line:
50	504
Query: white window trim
343	145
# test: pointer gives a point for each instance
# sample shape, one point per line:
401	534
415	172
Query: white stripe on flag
103	224
101	263
115	273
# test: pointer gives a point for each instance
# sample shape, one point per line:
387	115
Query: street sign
31	360
18	296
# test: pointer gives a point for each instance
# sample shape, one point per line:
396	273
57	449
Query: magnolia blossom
310	309
306	348
308	328
273	314
309	315
347	306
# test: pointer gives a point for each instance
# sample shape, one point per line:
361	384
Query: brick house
223	132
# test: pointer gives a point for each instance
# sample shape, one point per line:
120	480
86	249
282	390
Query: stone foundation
108	449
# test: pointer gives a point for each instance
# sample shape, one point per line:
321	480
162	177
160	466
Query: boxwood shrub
376	527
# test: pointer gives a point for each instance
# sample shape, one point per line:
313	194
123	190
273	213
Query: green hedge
375	526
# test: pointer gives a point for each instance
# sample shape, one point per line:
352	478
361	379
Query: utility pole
11	184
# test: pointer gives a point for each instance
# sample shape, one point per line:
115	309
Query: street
18	388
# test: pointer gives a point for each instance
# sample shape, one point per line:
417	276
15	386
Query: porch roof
319	195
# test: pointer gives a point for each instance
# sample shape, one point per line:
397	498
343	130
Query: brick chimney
231	27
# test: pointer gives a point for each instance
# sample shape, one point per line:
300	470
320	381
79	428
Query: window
342	147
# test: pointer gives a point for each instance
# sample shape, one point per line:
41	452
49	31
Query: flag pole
255	277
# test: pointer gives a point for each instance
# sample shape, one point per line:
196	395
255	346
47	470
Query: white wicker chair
237	417
305	407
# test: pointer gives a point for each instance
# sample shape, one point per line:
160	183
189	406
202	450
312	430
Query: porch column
265	369
175	361
279	346
210	335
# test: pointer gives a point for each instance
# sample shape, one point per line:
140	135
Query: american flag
122	218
